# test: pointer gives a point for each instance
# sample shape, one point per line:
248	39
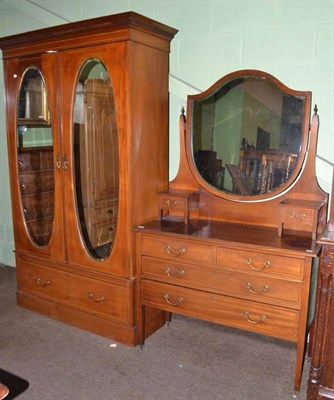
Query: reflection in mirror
95	148
247	135
33	108
35	157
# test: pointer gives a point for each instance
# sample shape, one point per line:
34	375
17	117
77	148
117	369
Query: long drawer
239	313
89	295
176	249
285	267
239	284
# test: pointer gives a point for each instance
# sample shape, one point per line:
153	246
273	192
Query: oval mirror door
96	158
35	157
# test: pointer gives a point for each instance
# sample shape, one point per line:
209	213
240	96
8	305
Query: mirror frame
303	149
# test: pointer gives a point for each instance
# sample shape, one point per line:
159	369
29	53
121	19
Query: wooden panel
277	322
176	249
245	285
284	267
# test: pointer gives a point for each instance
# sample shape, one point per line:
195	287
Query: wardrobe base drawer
103	299
256	317
91	323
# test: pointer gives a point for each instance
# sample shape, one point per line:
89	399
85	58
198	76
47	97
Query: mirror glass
95	150
35	157
247	135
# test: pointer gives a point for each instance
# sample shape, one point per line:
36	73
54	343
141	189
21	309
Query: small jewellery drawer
257	317
100	298
291	268
176	249
298	218
172	202
259	288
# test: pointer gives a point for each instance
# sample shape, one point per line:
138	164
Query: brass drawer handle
179	301
251	321
264	290
96	300
41	283
179	274
292	215
109	212
176	253
266	264
172	203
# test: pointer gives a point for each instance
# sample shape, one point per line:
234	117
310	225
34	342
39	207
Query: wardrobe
87	124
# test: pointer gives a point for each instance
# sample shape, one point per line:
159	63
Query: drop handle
265	289
180	273
42	283
172	203
179	300
265	265
252	321
92	297
294	217
175	253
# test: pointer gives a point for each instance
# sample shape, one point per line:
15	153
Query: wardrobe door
33	142
93	93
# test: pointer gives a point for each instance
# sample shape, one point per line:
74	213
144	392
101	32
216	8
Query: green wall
292	40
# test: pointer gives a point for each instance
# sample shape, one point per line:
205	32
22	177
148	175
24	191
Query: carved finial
182	111
315	109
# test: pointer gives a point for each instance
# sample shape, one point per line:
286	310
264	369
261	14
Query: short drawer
176	249
298	218
285	267
246	285
100	298
256	317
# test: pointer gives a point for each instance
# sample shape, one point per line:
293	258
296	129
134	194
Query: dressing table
242	256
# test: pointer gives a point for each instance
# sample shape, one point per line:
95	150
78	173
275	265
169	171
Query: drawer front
249	286
244	314
103	232
175	249
172	202
37	182
38	206
100	298
284	267
106	212
295	218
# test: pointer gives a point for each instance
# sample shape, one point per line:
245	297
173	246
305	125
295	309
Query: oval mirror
95	148
247	135
35	157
